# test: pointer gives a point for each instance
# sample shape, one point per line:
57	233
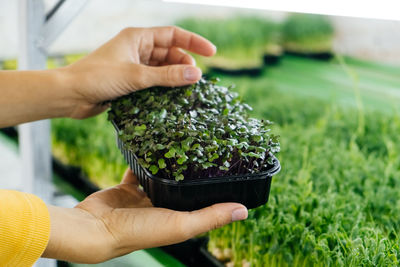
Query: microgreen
307	33
200	130
298	27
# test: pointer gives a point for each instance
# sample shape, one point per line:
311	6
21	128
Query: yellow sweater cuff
24	228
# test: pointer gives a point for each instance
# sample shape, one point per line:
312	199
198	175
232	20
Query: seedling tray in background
252	190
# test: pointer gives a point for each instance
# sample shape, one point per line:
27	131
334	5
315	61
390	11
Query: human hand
119	220
135	59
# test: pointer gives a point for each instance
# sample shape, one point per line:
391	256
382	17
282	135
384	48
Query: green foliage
201	130
307	32
298	27
241	41
72	58
336	201
51	63
90	144
234	33
11	64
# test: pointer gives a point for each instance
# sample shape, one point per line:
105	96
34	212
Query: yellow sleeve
24	228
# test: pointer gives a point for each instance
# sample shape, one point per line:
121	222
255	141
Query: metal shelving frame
37	31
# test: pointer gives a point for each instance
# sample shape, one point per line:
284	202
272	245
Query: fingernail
191	74
239	214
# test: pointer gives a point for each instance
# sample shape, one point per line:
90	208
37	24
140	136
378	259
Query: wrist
84	98
67	98
75	236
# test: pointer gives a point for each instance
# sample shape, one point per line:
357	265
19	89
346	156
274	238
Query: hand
119	220
135	59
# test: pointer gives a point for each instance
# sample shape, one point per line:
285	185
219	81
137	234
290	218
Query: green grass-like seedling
307	33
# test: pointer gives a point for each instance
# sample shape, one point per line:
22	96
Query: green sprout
195	131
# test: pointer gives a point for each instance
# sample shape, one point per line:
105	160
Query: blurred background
330	84
99	21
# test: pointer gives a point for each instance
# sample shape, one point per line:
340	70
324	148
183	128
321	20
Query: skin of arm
33	95
118	220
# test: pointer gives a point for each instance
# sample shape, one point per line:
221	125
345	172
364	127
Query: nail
239	214
191	74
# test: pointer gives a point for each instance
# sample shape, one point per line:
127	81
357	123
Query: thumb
180	226
212	217
170	75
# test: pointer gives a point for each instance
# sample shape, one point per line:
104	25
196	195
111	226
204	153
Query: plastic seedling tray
252	190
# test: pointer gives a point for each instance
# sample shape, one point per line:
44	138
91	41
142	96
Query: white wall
8	28
377	40
101	19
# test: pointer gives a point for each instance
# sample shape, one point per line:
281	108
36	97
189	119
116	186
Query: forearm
33	95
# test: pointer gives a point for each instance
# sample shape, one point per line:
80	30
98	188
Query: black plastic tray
271	59
193	253
251	71
252	190
323	56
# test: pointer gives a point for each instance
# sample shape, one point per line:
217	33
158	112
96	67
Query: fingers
129	178
175	36
86	112
172	55
170	75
